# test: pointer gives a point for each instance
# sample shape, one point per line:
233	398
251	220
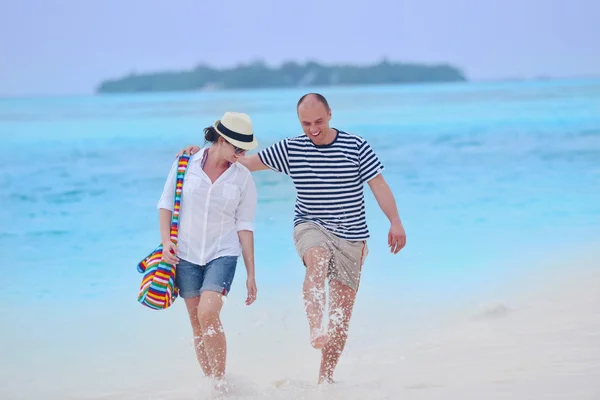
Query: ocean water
491	180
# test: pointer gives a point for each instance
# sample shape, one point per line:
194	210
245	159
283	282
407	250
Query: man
329	168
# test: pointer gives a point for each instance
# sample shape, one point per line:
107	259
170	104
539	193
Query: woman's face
230	152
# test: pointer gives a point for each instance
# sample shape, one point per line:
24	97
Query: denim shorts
217	275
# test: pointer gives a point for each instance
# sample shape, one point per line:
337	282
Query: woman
216	220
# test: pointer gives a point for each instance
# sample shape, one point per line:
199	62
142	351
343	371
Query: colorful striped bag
158	290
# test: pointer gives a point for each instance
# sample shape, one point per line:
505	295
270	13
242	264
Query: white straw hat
236	128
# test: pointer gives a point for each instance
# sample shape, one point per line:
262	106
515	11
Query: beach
538	339
495	296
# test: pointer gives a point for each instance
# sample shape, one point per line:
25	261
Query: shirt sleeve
276	157
168	195
370	165
246	210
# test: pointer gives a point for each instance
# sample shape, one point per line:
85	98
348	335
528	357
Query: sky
65	47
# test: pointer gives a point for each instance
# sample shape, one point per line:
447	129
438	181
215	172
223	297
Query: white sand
539	342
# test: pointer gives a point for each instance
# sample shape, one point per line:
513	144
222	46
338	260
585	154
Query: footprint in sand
420	386
292	383
492	312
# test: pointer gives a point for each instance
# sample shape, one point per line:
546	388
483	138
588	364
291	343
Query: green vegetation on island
290	74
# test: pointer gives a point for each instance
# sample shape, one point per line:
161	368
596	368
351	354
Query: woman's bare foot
220	386
325	379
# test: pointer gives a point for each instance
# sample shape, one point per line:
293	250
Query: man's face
314	118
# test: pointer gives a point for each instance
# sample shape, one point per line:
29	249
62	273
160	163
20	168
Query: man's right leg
348	259
341	303
316	259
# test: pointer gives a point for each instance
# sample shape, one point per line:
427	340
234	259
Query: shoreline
92	94
537	337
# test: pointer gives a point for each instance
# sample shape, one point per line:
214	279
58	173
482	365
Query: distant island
289	74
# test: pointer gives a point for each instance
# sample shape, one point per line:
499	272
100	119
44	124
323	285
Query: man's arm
253	163
387	203
190	150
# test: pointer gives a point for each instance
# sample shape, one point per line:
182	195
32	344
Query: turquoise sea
489	177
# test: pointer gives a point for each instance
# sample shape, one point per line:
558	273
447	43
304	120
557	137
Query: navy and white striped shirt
329	180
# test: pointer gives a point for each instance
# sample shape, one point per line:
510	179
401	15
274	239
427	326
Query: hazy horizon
64	47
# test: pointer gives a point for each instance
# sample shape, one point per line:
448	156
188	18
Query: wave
35	234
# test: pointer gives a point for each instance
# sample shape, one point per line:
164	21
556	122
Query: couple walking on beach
329	168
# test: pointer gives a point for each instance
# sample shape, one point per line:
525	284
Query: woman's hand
169	253
251	286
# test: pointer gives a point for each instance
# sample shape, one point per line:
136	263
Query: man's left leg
341	303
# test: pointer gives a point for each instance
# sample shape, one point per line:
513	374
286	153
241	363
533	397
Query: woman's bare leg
192	307
213	336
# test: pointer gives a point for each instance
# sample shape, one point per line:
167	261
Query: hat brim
242	145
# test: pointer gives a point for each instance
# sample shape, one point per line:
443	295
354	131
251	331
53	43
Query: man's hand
396	237
169	253
188	150
385	199
251	286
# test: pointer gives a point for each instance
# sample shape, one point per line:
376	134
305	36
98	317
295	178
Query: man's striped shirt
329	180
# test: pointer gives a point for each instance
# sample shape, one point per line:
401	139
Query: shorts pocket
299	231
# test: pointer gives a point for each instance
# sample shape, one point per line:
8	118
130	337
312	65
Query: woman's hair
210	134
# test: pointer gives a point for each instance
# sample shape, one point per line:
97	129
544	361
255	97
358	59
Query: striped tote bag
158	290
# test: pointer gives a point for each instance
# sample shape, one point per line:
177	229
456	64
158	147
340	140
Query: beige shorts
347	257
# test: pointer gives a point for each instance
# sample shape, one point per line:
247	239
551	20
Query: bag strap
181	169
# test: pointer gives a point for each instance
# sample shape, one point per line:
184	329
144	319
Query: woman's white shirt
211	214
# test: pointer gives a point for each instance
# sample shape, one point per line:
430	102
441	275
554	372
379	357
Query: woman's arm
165	217
169	248
244	221
165	213
247	242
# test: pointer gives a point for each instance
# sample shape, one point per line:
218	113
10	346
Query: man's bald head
311	100
314	115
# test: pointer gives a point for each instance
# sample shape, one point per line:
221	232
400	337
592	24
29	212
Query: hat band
234	135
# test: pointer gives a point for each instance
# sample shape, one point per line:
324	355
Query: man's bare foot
318	339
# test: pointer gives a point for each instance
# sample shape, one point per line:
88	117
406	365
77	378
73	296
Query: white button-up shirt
211	214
